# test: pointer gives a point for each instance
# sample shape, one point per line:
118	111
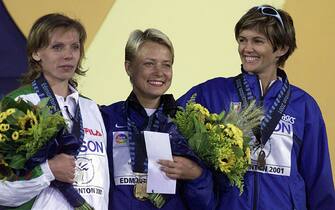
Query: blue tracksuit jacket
298	172
196	194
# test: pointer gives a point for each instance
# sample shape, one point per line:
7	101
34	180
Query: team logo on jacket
92	132
120	138
236	106
84	171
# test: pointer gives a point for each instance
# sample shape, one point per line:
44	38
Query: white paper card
158	148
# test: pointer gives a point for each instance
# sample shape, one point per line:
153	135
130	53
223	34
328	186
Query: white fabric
123	173
149	111
92	174
277	150
19	192
273	81
70	102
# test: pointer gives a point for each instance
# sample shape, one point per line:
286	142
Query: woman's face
151	71
60	58
256	52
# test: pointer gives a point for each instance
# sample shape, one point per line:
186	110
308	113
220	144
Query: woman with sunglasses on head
149	57
79	177
290	166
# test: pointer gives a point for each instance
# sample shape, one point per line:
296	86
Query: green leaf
17	161
238	151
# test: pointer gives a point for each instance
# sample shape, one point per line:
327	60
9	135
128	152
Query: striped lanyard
43	90
274	114
137	149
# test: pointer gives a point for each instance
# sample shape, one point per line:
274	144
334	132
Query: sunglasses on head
269	11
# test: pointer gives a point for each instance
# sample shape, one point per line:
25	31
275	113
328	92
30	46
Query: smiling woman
148	62
150	73
290	165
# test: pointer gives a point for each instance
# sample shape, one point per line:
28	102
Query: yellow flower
236	130
238	142
247	154
226	163
15	135
222	126
2	137
226	159
10	111
209	126
28	120
201	109
228	132
4	127
3	116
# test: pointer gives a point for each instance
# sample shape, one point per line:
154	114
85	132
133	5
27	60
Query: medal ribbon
43	90
138	153
137	149
274	114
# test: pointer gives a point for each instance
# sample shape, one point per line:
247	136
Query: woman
55	52
149	58
290	159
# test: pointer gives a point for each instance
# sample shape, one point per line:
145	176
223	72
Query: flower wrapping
220	140
25	130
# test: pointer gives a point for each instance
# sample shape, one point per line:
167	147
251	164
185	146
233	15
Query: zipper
256	174
255	200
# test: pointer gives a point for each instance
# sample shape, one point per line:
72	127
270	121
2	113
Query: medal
261	162
140	188
140	191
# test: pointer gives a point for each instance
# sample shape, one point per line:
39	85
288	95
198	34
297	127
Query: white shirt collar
271	83
149	111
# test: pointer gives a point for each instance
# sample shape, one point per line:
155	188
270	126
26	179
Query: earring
36	57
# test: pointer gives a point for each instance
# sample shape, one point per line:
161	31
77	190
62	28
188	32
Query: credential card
158	147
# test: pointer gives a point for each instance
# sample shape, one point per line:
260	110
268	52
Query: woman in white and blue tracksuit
297	171
71	170
149	59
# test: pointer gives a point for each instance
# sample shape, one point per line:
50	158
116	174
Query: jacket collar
255	87
167	102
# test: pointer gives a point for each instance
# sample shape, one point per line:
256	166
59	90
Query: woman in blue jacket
149	57
290	160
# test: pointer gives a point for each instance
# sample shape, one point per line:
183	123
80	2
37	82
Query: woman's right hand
62	167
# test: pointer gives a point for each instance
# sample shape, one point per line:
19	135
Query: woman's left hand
180	168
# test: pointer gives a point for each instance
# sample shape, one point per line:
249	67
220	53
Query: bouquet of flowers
29	135
220	140
24	129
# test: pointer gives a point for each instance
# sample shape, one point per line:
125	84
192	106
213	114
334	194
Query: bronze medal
261	162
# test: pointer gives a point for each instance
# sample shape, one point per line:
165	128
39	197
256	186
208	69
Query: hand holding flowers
29	135
24	129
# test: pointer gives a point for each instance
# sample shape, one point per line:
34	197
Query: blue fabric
62	143
196	194
13	58
309	185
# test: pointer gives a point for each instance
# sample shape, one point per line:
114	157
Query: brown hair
39	37
279	35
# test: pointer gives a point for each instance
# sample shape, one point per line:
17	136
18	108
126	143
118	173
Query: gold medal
140	191
140	188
